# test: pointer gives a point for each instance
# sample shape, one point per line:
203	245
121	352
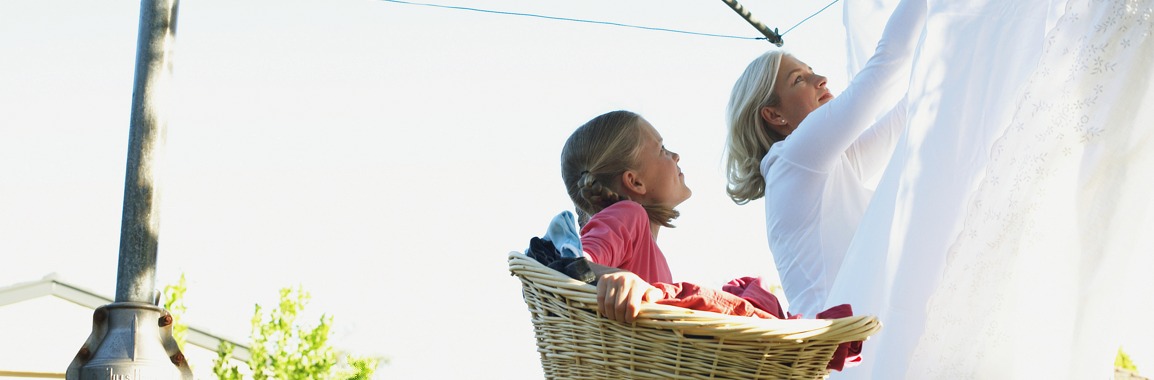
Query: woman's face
801	91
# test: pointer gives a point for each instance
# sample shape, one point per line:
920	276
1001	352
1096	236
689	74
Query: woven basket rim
697	322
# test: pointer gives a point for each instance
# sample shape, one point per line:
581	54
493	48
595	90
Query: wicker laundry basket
667	342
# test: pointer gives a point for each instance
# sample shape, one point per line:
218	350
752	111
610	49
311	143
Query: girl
810	155
618	171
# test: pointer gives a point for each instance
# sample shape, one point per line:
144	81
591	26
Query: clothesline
771	35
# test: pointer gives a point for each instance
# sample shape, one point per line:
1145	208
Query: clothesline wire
600	22
572	19
810	16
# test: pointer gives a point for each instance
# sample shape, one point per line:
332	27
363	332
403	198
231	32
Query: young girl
811	155
618	171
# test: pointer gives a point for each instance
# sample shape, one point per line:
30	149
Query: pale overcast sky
385	157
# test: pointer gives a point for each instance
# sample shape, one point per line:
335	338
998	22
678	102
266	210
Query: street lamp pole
132	337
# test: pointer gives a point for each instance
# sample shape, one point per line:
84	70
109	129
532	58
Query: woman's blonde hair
593	160
749	137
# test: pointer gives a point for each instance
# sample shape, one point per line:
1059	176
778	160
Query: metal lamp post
132	337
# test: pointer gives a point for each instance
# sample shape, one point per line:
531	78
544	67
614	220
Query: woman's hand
620	294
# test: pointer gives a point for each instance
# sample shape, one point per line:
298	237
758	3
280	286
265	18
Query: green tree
221	367
360	368
1123	361
174	303
283	349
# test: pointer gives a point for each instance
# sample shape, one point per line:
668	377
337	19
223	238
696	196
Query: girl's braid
597	196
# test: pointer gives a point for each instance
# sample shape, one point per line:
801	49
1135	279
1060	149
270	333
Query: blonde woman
810	155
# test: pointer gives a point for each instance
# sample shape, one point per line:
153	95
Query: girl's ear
631	183
775	121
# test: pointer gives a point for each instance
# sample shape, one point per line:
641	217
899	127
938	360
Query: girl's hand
620	294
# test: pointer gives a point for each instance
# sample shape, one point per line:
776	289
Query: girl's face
801	91
657	169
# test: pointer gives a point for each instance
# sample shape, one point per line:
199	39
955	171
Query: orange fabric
692	296
746	297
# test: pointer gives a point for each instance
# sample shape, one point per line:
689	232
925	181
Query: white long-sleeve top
815	179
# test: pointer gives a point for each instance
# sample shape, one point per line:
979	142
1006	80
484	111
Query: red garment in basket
747	298
744	297
848	354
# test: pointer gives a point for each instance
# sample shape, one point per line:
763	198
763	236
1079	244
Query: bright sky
385	157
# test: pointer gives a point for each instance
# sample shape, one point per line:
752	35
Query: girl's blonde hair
749	136
593	160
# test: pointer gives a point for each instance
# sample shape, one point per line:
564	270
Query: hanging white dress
1052	269
1011	233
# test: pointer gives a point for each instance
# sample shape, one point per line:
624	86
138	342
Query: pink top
619	237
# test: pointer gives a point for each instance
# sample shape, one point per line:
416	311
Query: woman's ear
631	183
775	121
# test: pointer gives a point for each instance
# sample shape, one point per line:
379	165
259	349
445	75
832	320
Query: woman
810	155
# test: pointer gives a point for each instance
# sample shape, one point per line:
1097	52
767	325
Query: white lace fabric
1055	253
1012	234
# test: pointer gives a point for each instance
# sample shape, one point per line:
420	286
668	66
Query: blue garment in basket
563	234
